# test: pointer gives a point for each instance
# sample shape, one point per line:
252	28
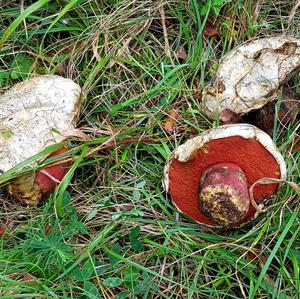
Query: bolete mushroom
34	114
209	176
250	76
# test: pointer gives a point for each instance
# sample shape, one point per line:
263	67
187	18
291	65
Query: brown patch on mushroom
220	86
220	207
288	48
24	189
33	187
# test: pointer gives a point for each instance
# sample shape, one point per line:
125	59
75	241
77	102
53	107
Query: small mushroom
209	176
34	114
250	76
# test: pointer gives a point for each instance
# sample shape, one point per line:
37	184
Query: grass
109	231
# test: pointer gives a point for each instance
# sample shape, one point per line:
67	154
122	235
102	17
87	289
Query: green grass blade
69	6
14	25
272	255
66	181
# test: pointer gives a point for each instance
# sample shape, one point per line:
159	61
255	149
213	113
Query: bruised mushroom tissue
250	76
34	114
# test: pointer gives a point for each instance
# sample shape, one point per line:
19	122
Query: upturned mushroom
250	76
208	178
35	114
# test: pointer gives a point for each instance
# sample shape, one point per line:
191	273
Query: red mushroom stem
33	187
223	194
49	177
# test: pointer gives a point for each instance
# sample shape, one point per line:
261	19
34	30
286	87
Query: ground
110	231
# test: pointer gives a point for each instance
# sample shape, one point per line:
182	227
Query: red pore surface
45	180
255	161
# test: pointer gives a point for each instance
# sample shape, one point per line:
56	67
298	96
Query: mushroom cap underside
242	144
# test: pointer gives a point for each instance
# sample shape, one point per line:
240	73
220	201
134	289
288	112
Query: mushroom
250	76
209	176
35	114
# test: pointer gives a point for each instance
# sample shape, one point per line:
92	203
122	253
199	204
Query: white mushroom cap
249	76
34	114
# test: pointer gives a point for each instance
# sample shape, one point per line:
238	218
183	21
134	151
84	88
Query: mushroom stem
223	194
33	187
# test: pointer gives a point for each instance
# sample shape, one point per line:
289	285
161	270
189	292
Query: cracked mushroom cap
250	76
244	146
34	114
